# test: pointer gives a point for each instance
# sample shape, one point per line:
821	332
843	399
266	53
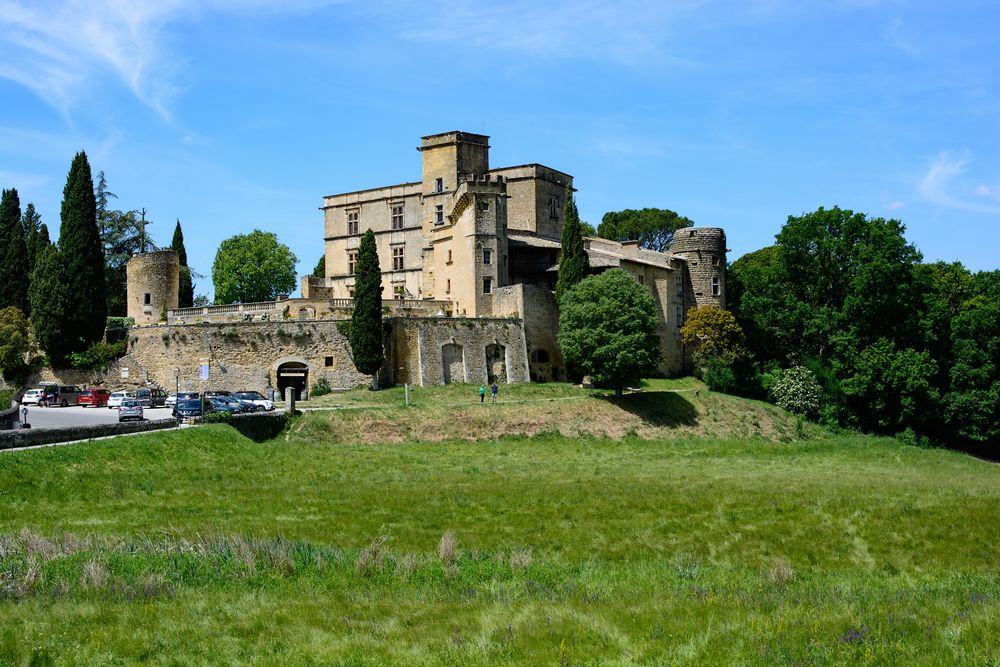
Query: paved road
75	415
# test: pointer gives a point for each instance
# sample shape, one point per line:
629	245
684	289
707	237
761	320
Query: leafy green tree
13	254
14	344
716	335
49	295
320	270
252	267
80	248
653	228
573	263
186	292
608	329
365	335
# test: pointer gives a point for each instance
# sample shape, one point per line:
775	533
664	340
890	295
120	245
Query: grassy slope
200	544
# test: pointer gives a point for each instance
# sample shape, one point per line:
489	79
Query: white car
119	397
32	396
254	397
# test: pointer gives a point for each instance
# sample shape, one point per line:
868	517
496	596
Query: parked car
256	398
118	397
191	407
184	395
217	392
96	397
31	397
226	404
62	395
151	398
130	409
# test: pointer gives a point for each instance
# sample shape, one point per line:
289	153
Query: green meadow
558	527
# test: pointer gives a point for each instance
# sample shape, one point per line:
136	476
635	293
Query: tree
366	319
608	329
186	292
252	267
35	243
573	264
122	236
653	228
320	270
31	221
14	344
716	334
48	295
80	249
13	254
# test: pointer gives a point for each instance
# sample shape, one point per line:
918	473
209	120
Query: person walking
493	391
482	393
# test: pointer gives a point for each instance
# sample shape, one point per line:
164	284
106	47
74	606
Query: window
350	292
397	258
716	287
439	214
540	356
397	216
642	279
680	315
328	361
399	291
680	285
449	256
352	259
353	220
484	206
487	256
715	260
438	185
553	206
447	286
147	299
487	285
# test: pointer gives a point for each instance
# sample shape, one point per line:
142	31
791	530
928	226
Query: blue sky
232	115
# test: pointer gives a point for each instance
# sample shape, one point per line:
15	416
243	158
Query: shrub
321	388
719	376
796	390
220	417
118	322
98	355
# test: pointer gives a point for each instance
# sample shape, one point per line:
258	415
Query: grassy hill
715	531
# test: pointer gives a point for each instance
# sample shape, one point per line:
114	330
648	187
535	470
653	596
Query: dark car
63	394
96	397
216	392
226	404
151	398
191	408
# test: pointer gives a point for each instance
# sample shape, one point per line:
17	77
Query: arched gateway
293	375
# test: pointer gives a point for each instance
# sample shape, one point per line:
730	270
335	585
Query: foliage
218	417
119	322
48	295
320	270
716	334
653	228
14	343
13	254
796	390
80	249
365	335
252	267
201	301
321	388
573	263
186	292
718	375
97	356
608	329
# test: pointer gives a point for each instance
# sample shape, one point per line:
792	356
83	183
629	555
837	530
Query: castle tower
446	158
704	252
153	281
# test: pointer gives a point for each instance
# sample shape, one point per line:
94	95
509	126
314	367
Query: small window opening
328	361
147	299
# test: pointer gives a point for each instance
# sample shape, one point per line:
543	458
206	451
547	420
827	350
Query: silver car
130	409
119	397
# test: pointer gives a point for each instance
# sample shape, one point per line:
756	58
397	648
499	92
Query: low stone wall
46	436
9	417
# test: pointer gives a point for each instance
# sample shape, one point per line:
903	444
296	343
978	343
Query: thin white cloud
895	205
939	181
992	192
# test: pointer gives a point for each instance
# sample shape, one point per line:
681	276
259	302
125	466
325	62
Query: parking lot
78	415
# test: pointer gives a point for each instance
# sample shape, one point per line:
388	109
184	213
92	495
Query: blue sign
204	370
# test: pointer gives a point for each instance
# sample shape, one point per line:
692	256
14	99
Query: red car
96	397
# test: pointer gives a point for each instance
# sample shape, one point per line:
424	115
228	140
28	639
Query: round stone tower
153	285
704	250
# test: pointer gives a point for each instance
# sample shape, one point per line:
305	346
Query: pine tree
320	270
366	320
49	296
80	248
574	264
13	254
186	293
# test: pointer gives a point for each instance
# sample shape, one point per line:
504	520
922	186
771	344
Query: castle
466	244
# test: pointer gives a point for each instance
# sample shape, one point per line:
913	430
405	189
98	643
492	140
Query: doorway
293	375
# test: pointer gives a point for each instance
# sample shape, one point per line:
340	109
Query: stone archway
496	363
452	363
293	375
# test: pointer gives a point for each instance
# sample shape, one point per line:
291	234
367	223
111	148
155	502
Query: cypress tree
80	248
574	264
32	223
366	320
13	254
49	296
186	293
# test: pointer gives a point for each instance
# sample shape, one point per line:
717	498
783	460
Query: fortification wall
536	306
